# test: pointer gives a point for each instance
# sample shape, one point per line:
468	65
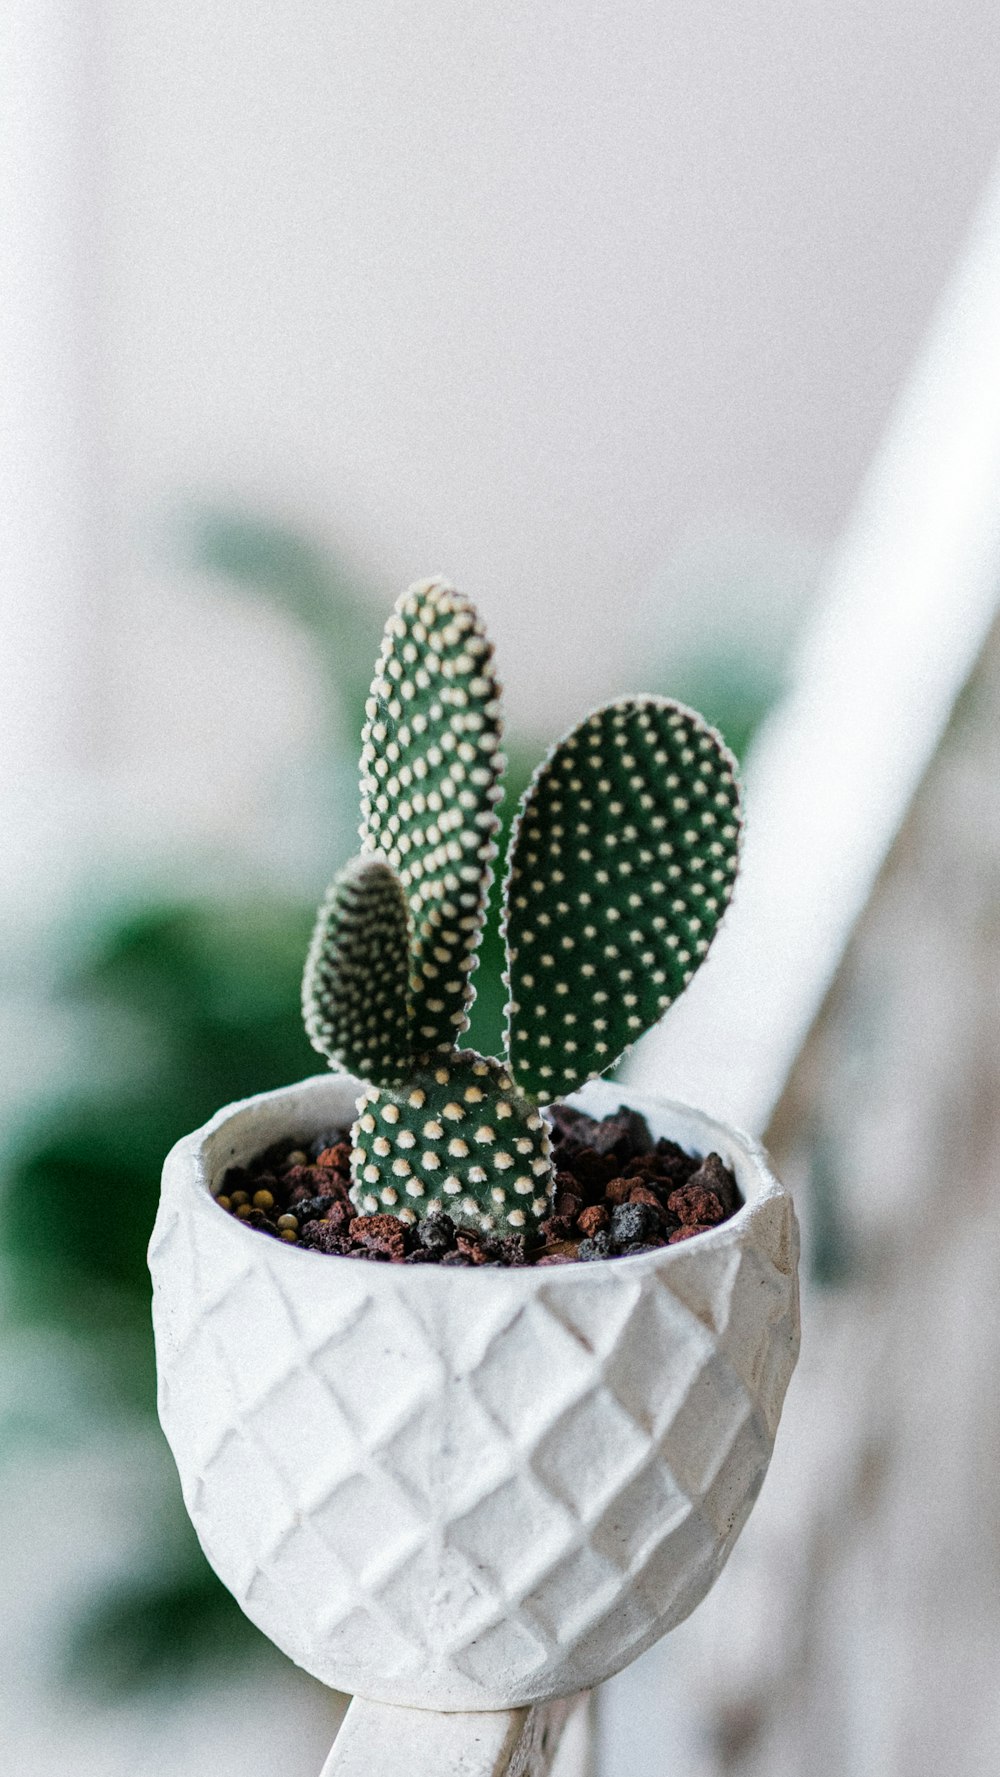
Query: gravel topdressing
615	1191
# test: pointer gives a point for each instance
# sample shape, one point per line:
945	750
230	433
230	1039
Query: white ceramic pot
464	1489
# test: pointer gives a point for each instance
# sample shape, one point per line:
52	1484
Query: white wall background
528	291
531	294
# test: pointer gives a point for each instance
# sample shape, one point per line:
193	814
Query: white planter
466	1489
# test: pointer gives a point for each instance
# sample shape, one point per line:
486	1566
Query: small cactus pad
354	991
621	866
430	780
457	1137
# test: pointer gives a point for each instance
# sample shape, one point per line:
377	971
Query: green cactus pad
430	780
354	991
460	1138
621	866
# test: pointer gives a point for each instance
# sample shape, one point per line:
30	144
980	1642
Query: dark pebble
571	1129
512	1249
594	1172
311	1209
633	1221
255	1218
557	1227
624	1135
321	1238
566	1197
330	1138
598	1247
672	1151
668	1176
436	1233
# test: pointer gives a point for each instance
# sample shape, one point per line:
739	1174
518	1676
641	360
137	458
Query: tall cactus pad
458	1137
430	781
622	863
354	992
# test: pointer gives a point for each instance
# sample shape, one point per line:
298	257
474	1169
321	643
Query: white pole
907	606
379	1741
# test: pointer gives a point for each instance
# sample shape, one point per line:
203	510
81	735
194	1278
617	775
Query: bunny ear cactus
621	865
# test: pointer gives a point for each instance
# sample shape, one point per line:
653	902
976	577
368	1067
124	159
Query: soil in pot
615	1192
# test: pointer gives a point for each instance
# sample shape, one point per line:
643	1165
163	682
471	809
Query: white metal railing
908	604
901	620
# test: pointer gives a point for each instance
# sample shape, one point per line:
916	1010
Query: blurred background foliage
189	1003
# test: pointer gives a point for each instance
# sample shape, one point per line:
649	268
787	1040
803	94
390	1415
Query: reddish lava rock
696	1207
380	1234
337	1158
589	1221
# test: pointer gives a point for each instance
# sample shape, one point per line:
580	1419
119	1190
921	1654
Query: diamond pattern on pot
389	1340
431	1463
577	1592
635	1522
521	1400
593	1435
515	1533
309	1438
463	1490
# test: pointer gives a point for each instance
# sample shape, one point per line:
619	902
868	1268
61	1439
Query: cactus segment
354	991
456	1137
430	780
621	865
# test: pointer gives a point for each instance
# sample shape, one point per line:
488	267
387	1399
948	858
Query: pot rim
192	1159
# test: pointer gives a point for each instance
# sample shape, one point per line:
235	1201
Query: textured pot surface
464	1489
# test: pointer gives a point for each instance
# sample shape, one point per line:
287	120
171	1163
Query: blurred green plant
206	992
209	993
733	691
272	562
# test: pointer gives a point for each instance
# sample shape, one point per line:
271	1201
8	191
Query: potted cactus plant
441	1487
